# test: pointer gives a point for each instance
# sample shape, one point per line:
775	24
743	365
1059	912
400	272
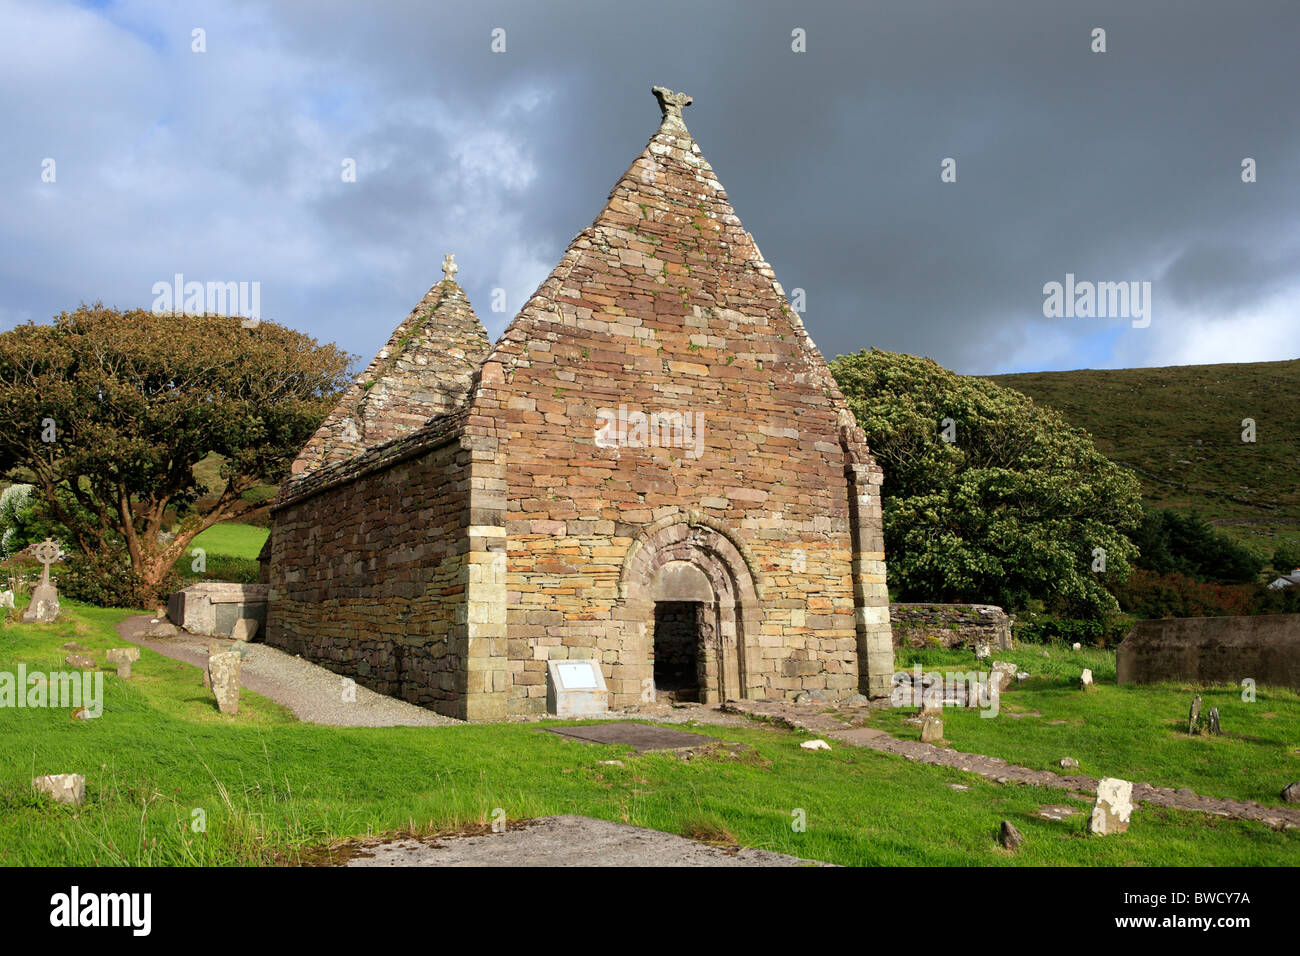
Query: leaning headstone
244	630
1214	721
63	787
1009	836
931	730
1194	715
1085	679
79	660
1114	806
1291	792
1002	676
223	676
124	657
44	607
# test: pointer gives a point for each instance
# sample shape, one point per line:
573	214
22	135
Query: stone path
812	719
313	693
563	841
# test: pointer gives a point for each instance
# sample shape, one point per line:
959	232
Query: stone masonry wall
949	625
665	305
369	577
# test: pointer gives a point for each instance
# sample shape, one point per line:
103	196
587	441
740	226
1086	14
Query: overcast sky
227	165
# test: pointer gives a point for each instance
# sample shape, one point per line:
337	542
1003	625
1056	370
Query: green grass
232	540
1137	733
273	789
1180	427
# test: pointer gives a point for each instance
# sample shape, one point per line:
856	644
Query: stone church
652	468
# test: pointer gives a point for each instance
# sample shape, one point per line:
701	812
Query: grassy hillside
1180	429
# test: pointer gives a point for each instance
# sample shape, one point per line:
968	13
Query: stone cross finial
449	267
47	552
670	103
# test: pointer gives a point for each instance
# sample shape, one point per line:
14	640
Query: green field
1180	429
232	540
1137	733
272	789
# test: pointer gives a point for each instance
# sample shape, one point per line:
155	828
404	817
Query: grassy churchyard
170	781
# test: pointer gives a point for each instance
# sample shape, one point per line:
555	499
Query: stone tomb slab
643	738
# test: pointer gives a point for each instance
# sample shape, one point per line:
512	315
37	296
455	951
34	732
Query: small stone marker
1009	836
1076	646
1194	715
45	598
1114	806
1291	792
162	629
1069	763
223	675
983	650
1085	679
576	688
124	657
79	660
63	787
244	630
1214	721
931	730
1002	676
6	598
815	745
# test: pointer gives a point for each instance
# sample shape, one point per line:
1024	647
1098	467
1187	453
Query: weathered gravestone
1114	806
1291	792
6	598
244	630
1009	836
63	787
1085	679
1194	715
1214	721
223	677
123	657
931	730
45	598
1002	676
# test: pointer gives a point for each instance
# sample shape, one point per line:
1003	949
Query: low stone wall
1264	648
949	625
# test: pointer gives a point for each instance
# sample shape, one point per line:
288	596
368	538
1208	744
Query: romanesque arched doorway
691	613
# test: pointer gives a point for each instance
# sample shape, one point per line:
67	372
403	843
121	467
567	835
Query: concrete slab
643	737
568	840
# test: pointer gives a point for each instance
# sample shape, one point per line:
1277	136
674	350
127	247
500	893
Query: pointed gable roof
668	268
423	372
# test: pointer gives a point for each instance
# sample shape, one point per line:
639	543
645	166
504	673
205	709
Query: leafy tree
1013	508
106	413
1287	557
21	520
1171	541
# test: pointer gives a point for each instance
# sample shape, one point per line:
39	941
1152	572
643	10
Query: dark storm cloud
1116	166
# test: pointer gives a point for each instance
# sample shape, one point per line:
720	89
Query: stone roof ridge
421	373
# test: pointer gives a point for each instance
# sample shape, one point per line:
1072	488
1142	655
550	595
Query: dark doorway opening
677	650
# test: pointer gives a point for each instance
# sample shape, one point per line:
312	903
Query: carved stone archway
700	560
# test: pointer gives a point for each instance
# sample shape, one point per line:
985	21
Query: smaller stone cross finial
449	268
47	552
670	103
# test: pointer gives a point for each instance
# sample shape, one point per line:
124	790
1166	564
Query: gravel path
314	694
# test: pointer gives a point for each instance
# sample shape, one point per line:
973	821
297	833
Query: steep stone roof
671	286
423	373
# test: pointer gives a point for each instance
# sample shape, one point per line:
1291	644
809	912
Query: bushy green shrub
107	580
